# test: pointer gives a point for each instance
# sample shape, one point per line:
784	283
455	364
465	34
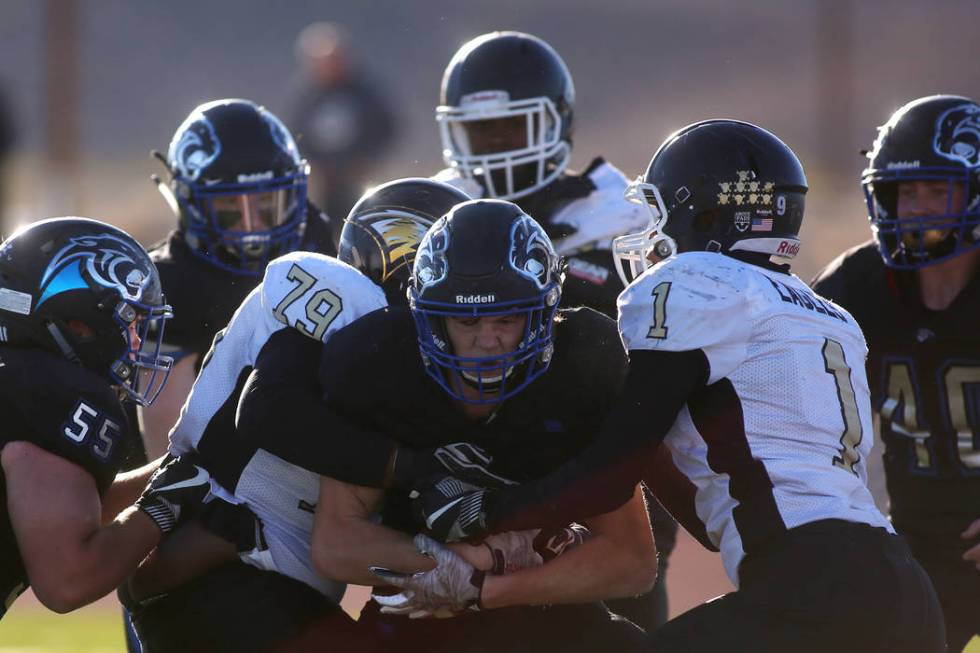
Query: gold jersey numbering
658	331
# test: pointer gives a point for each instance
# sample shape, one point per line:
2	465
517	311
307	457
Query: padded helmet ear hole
80	330
704	222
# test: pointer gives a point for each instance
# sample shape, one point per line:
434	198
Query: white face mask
505	173
632	252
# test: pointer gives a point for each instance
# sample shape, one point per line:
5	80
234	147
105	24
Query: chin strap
59	338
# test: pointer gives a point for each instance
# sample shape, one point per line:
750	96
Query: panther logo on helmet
431	265
110	262
197	148
280	134
958	134
531	251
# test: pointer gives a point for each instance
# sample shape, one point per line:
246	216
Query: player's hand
463	460
453	585
471	464
971	533
516	550
451	510
177	489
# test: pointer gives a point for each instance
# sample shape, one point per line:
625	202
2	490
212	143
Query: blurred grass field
29	628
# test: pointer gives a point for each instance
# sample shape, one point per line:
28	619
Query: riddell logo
788	248
475	299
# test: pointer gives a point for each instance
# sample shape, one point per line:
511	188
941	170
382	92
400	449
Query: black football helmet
505	114
932	139
718	186
237	184
89	292
485	258
382	232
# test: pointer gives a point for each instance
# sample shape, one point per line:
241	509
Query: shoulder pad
317	294
690	301
856	263
602	215
469	186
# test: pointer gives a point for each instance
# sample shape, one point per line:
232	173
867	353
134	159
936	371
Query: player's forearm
354	545
293	423
602	477
71	574
596	570
187	553
126	488
620	559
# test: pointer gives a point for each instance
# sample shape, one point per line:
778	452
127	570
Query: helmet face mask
92	295
931	143
140	371
718	186
505	116
534	156
634	252
239	185
484	261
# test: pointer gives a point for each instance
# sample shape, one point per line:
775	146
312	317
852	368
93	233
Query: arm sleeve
282	411
603	476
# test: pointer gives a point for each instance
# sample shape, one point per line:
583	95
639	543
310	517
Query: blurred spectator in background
341	121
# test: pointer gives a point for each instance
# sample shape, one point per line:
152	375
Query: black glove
177	489
463	460
452	510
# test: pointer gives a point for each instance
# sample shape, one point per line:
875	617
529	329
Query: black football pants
234	608
829	586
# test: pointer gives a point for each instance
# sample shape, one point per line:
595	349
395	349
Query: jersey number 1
659	329
836	365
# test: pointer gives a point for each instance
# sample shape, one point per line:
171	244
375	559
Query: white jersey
781	435
594	220
316	295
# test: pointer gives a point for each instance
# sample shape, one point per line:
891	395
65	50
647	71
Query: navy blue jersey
372	374
924	374
66	410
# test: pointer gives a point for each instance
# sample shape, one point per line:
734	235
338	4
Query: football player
302	300
237	184
503	368
757	387
914	290
78	302
506	121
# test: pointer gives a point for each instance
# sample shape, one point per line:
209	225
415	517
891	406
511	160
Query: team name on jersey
475	299
805	299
